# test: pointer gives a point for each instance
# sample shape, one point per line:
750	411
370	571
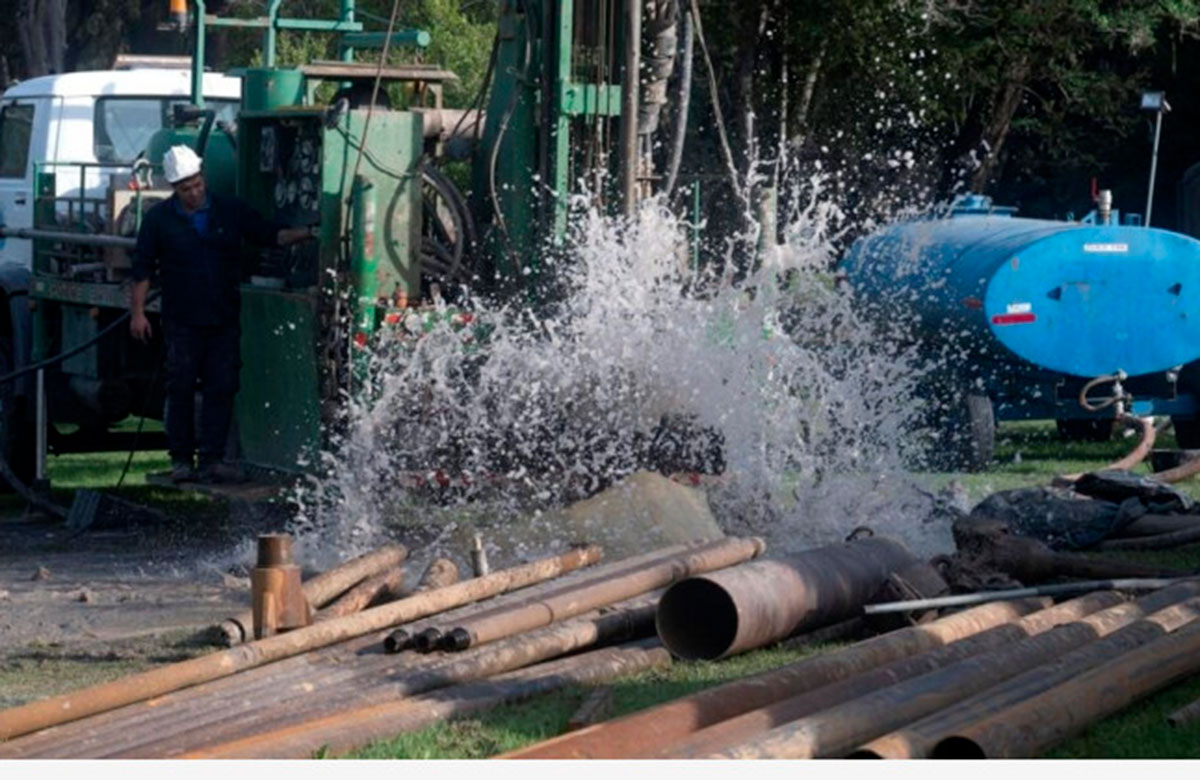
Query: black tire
1085	430
968	440
1187	432
17	431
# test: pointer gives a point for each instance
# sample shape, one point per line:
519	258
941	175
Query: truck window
122	126
16	130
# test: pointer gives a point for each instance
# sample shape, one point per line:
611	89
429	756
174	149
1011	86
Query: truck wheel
1187	432
1085	430
970	435
17	433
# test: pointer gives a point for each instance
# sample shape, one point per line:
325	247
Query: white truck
74	125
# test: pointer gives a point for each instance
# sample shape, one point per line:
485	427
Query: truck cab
96	118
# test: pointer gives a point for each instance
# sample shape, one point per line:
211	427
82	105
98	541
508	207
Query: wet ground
80	607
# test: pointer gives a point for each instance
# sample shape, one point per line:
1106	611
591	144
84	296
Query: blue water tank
1077	299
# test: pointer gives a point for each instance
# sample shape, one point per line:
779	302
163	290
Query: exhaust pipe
728	612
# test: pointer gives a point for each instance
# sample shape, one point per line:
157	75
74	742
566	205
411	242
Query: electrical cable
726	152
682	101
503	128
477	103
387	42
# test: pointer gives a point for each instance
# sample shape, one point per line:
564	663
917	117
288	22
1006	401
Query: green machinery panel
297	166
279	404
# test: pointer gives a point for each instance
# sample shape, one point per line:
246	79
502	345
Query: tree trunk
806	95
41	35
745	58
1005	103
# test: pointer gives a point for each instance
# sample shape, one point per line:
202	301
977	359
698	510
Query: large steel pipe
101	698
1039	723
735	730
321	589
917	740
749	606
839	730
346	731
579	599
1185	715
376	587
643	733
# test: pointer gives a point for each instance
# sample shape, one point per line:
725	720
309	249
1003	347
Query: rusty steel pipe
749	606
1156	542
346	731
101	698
634	622
440	573
302	683
427	638
917	740
735	730
1043	721
840	729
363	594
1185	715
1153	525
644	732
319	590
572	601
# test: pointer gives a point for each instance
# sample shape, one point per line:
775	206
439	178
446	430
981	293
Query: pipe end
427	640
397	641
457	640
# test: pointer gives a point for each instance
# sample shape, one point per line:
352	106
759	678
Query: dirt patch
82	608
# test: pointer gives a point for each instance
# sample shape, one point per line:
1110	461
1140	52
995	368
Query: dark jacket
200	273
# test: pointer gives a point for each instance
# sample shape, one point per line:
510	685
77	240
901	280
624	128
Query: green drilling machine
580	97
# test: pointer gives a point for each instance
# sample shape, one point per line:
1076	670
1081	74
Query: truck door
24	124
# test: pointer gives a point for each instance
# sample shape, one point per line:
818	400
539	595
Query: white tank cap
180	163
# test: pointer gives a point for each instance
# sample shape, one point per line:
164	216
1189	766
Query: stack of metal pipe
332	683
1007	679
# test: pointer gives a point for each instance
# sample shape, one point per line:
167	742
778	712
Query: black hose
682	103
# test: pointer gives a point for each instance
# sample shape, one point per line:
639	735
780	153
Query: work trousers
208	355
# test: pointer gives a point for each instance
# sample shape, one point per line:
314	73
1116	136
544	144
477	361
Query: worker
193	240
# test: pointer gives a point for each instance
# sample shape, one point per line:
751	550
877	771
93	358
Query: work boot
182	472
221	474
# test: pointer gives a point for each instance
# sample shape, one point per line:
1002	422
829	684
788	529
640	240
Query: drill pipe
501	657
311	677
917	740
426	638
1043	721
581	598
346	731
304	687
1189	713
735	730
1156	542
319	590
1153	525
644	732
838	730
361	595
440	573
749	606
101	698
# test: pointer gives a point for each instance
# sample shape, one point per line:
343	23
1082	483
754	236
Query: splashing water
644	363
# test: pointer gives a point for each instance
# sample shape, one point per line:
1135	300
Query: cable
716	101
387	42
504	120
682	102
73	351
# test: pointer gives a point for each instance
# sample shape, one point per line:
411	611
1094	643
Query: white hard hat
180	163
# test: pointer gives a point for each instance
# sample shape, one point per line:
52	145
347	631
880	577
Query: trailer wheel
17	431
1085	430
969	435
1187	432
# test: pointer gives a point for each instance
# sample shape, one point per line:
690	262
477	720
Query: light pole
1156	102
